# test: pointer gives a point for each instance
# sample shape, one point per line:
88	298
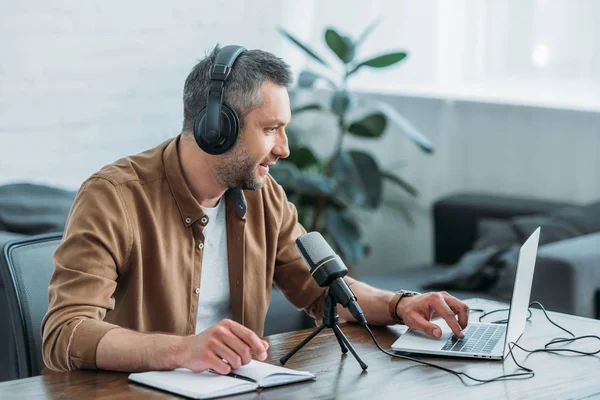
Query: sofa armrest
455	219
567	276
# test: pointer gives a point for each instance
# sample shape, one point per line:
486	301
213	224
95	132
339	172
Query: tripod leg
341	334
284	359
340	341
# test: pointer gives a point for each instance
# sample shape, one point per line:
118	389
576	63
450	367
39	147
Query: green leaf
371	126
389	211
302	157
308	200
385	60
406	127
407	216
304	47
294	136
410	189
307	107
306	79
345	234
341	102
358	178
342	46
366	32
380	61
285	173
315	184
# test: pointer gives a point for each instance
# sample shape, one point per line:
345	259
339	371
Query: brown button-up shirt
130	257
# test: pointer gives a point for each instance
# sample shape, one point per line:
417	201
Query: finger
265	344
239	346
229	355
459	308
217	364
443	310
417	321
250	338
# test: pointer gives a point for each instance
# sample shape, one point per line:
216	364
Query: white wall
85	83
492	148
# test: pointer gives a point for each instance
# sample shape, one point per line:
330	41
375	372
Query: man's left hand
417	312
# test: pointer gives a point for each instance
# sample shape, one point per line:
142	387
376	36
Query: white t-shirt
214	303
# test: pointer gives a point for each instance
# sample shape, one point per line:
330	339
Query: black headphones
217	125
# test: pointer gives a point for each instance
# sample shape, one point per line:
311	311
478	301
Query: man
168	257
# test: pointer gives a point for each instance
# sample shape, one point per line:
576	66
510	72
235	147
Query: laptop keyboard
479	339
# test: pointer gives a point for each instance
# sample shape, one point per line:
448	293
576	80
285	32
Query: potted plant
326	189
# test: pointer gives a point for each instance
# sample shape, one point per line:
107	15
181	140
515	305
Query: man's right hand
227	341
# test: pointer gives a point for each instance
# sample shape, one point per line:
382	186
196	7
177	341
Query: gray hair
242	89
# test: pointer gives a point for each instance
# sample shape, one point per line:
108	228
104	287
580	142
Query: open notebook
207	385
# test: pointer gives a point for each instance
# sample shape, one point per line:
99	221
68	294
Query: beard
239	170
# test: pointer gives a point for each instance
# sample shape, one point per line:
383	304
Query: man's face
261	143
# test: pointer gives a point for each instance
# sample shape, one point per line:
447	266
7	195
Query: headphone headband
218	76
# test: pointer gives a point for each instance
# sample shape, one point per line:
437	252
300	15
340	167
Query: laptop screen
517	315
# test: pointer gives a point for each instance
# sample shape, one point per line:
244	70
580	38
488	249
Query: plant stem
319	207
340	138
341	120
322	199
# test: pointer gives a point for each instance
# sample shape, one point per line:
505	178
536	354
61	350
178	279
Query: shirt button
197	291
200	245
204	220
188	220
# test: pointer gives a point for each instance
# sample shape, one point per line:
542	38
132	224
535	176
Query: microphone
328	269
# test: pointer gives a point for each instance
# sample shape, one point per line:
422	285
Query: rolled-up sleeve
96	243
291	275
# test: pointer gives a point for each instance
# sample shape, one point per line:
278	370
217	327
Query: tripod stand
330	320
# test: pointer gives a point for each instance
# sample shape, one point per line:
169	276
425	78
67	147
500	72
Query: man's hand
227	341
417	311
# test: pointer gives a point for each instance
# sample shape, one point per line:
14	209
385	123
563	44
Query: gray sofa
567	275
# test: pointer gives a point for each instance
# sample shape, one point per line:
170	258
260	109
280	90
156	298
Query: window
544	52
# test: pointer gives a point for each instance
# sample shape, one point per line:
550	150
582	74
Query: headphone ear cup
230	128
225	139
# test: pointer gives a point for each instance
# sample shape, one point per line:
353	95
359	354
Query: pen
241	377
234	375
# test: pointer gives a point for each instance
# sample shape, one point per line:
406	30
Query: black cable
548	349
529	373
525	375
500	321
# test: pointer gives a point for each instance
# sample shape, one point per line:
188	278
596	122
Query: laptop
482	340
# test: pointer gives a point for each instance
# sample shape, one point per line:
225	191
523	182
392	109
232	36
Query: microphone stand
330	320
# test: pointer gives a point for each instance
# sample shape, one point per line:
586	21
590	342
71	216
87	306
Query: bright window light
540	55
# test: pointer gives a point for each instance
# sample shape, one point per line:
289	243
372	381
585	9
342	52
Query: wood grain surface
340	376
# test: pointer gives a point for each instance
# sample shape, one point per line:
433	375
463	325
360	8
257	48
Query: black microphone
328	269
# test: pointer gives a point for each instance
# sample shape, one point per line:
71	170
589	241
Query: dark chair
26	267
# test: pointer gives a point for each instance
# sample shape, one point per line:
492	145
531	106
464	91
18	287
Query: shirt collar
189	208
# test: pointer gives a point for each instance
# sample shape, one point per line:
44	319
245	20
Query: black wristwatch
396	300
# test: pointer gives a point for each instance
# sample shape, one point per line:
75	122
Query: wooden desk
340	376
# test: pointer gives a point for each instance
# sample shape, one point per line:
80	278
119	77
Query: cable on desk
528	374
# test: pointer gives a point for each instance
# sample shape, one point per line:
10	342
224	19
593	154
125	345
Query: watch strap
393	306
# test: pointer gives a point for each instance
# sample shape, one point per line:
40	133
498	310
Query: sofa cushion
416	278
494	232
32	209
564	223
